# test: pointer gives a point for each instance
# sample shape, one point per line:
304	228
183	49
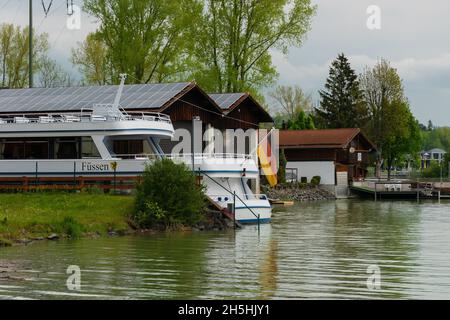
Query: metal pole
234	209
30	46
115	172
36	175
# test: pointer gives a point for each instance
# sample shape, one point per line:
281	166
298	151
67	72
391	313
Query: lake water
311	250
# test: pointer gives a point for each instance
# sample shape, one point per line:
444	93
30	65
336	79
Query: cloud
426	80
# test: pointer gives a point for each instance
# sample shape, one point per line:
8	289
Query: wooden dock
281	202
397	190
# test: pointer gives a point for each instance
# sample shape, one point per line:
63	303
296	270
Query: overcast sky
414	36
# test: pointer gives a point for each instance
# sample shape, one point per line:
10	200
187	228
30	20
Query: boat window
67	148
131	147
24	149
88	148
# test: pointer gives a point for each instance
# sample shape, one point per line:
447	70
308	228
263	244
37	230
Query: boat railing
183	157
203	156
138	156
227	197
86	115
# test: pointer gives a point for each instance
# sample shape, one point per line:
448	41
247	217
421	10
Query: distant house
427	157
336	155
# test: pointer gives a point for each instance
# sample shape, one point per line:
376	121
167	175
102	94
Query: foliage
14	55
435	169
53	75
438	137
291	100
231	46
146	39
92	60
71	227
315	181
341	104
281	174
392	127
300	121
168	196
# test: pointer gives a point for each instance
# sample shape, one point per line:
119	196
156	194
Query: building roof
320	139
227	100
435	150
156	97
136	96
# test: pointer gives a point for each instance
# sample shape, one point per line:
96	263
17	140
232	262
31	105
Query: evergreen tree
342	104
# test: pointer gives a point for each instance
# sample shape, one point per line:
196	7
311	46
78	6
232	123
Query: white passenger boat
99	142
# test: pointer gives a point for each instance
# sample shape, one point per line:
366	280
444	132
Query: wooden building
338	156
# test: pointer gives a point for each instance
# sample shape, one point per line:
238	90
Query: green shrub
5	243
434	170
315	181
281	174
304	180
168	196
71	227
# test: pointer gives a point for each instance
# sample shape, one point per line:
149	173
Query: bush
71	227
168	196
315	181
304	180
281	174
434	171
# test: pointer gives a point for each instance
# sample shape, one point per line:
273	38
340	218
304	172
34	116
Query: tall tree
144	38
93	61
51	74
14	55
291	100
392	126
342	104
231	53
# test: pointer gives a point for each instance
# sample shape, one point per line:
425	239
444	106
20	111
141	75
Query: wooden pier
378	190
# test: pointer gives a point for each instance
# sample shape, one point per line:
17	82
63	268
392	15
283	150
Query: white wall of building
309	169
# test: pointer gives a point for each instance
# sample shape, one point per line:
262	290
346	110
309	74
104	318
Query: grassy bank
35	215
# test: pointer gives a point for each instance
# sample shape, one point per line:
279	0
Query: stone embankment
300	193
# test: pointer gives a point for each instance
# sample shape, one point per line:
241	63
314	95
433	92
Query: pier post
234	209
258	224
418	192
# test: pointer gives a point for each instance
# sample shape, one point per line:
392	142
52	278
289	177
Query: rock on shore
296	193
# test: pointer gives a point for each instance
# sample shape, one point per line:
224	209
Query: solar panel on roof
74	98
226	100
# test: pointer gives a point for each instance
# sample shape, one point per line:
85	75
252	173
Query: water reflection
313	250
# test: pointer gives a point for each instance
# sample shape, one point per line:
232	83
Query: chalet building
338	156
